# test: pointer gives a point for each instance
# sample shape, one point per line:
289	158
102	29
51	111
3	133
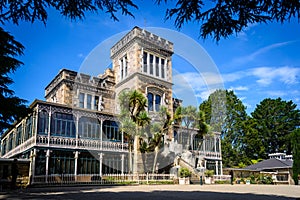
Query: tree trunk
155	159
135	154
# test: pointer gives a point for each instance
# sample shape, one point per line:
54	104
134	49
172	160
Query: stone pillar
47	164
100	164
217	168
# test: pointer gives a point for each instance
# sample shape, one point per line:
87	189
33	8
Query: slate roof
271	163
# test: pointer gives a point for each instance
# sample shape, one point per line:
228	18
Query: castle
76	130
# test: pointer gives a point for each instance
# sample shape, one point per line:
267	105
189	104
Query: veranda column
75	167
122	163
32	165
77	130
100	163
76	161
217	168
35	121
47	164
49	126
221	167
101	132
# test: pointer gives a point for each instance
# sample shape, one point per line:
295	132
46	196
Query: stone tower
143	61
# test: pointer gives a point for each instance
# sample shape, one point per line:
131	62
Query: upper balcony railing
71	143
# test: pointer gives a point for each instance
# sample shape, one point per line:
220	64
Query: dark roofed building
271	165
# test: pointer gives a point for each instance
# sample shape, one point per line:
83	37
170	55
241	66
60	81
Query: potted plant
208	176
184	176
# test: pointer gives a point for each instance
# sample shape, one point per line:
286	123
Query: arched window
150	101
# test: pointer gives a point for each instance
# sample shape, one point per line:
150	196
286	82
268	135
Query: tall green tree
252	147
226	113
11	107
295	140
276	120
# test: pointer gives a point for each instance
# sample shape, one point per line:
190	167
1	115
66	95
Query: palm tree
133	109
159	129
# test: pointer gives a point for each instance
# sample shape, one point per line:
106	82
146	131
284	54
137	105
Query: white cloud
266	75
239	88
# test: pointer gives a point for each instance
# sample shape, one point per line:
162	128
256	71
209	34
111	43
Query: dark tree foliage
11	107
32	10
218	19
295	140
276	119
223	18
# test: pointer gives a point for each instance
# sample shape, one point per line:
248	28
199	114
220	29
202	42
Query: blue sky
261	62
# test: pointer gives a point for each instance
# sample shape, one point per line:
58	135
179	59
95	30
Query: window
157	102
28	128
162	65
81	100
157	66
89	101
145	62
63	125
89	128
19	135
150	101
96	103
151	64
4	147
111	130
154	102
43	123
123	67
10	142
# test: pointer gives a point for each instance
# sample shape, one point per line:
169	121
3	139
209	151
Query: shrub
184	172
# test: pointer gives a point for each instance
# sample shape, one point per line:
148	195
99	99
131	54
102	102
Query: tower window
151	64
123	67
157	66
157	102
145	62
162	66
150	101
